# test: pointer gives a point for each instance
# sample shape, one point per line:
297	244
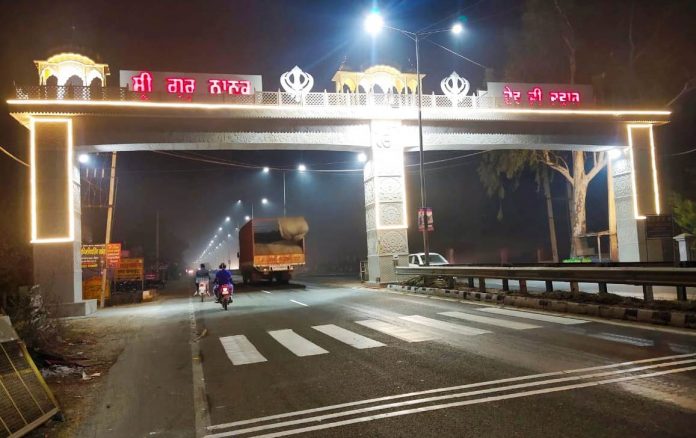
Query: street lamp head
247	218
374	23
219	229
227	219
266	169
301	167
457	28
615	154
264	201
362	157
83	158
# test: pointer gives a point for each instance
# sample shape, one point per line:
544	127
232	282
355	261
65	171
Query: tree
684	213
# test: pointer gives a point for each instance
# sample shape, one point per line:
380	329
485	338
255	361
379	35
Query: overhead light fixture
301	167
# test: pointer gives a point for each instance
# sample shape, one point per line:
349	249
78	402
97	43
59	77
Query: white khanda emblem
455	87
297	82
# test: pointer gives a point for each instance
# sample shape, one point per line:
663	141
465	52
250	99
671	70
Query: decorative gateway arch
175	111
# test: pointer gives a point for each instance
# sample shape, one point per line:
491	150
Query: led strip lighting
71	205
656	189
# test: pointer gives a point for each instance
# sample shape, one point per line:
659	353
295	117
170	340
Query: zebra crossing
415	328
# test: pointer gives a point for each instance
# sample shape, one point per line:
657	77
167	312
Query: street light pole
285	213
421	159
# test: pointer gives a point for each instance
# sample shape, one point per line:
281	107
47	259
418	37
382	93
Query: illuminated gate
170	111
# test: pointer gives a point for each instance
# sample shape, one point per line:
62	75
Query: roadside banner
91	255
113	255
425	215
130	269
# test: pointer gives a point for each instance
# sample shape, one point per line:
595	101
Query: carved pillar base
385	202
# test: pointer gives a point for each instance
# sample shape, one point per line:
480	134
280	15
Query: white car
418	259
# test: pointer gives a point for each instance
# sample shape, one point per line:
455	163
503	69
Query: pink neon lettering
535	95
142	82
214	86
181	86
511	96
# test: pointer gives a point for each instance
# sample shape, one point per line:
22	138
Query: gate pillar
385	202
636	194
56	216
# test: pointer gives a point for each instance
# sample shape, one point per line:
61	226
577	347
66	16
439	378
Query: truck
271	248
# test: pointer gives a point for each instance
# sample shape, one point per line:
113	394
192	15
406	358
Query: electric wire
457	54
2	149
690	151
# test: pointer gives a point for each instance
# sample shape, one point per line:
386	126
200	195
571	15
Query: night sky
269	38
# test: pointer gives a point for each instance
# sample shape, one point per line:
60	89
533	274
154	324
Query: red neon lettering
181	86
535	96
142	83
511	97
230	86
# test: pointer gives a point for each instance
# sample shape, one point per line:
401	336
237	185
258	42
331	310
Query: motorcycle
225	292
203	290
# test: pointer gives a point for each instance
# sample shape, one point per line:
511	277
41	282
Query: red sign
540	95
425	215
113	255
186	85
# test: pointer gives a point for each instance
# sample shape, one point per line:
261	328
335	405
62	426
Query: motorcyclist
223	276
202	275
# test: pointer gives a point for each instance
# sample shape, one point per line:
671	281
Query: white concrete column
385	202
56	217
636	193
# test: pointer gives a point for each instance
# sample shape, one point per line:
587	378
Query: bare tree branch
598	165
561	168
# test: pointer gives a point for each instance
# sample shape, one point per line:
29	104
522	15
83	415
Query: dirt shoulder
88	347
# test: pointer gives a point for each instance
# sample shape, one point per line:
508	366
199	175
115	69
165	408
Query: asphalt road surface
341	361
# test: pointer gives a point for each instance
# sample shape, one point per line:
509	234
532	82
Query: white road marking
301	304
240	350
462	403
535	316
321	418
265	291
347	337
403	333
200	401
446	326
447	389
296	343
638	342
491	321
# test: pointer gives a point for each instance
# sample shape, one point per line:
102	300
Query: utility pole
285	213
109	220
157	259
549	212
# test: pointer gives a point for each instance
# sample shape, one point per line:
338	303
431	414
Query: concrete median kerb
660	317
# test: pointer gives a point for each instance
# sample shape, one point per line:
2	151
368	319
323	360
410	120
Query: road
344	361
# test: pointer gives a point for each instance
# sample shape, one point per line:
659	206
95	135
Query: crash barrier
26	402
647	277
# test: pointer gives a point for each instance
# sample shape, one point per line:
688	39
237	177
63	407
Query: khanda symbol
297	82
455	87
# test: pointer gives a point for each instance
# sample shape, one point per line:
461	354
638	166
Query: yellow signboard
131	269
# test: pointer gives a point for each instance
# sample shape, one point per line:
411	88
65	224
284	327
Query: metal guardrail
647	277
270	98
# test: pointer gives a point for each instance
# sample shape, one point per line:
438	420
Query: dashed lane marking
240	350
348	337
296	343
403	333
535	316
446	326
491	321
301	304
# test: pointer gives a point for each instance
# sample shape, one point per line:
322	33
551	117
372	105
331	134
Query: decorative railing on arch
277	98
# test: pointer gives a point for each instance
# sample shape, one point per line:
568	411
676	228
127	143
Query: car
418	259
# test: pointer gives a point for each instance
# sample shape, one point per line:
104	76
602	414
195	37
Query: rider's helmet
202	265
222	266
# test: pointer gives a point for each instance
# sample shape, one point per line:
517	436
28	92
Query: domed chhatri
71	69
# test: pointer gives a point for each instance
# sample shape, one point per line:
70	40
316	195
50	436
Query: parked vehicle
225	292
418	259
271	248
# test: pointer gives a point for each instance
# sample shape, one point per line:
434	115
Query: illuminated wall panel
646	190
52	215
